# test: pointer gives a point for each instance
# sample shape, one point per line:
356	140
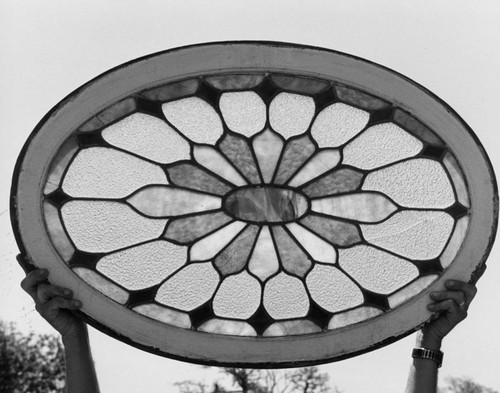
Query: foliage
464	385
32	363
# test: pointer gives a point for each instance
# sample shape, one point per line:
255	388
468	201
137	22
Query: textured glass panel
103	226
190	287
244	112
338	123
190	176
291	328
59	164
237	297
164	201
233	328
195	118
320	163
162	314
380	145
109	115
234	258
172	90
299	85
317	248
293	259
285	297
57	234
411	290
412	234
416	183
332	289
235	82
238	151
453	168
264	261
339	181
291	114
267	147
148	137
336	232
144	265
266	204
209	246
416	127
376	270
104	286
455	242
365	206
211	159
100	172
297	151
186	230
357	98
353	316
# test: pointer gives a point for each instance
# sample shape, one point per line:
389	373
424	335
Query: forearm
423	375
80	371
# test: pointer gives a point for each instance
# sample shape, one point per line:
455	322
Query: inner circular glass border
267	86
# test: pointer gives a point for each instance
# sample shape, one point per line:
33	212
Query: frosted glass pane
237	297
172	90
234	258
165	201
376	270
338	123
296	152
285	297
195	119
148	137
455	242
190	287
59	164
103	226
411	290
291	114
144	265
186	230
337	232
264	261
317	248
244	112
339	181
162	314
57	233
353	316
211	159
360	99
380	145
190	176
237	150
104	286
301	85
210	246
416	183
320	163
292	328
365	206
235	82
453	168
267	147
233	328
412	234
332	289
100	172
293	259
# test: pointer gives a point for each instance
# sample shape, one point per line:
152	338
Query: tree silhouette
464	385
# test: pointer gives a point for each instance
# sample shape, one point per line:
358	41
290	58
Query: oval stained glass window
254	204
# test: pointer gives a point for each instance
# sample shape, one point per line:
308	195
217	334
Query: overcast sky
48	49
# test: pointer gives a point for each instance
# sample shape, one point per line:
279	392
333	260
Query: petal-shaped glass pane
296	152
411	290
190	176
223	326
211	159
292	328
163	314
244	112
264	261
285	297
98	282
195	119
320	163
317	248
291	114
292	257
353	316
336	182
267	147
237	149
211	245
235	256
187	229
337	232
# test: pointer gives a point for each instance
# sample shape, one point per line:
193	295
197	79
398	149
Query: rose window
244	208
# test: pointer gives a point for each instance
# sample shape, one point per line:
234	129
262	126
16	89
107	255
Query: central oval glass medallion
266	204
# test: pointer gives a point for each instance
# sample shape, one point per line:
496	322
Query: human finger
46	292
33	280
457	296
25	264
468	290
50	309
449	306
